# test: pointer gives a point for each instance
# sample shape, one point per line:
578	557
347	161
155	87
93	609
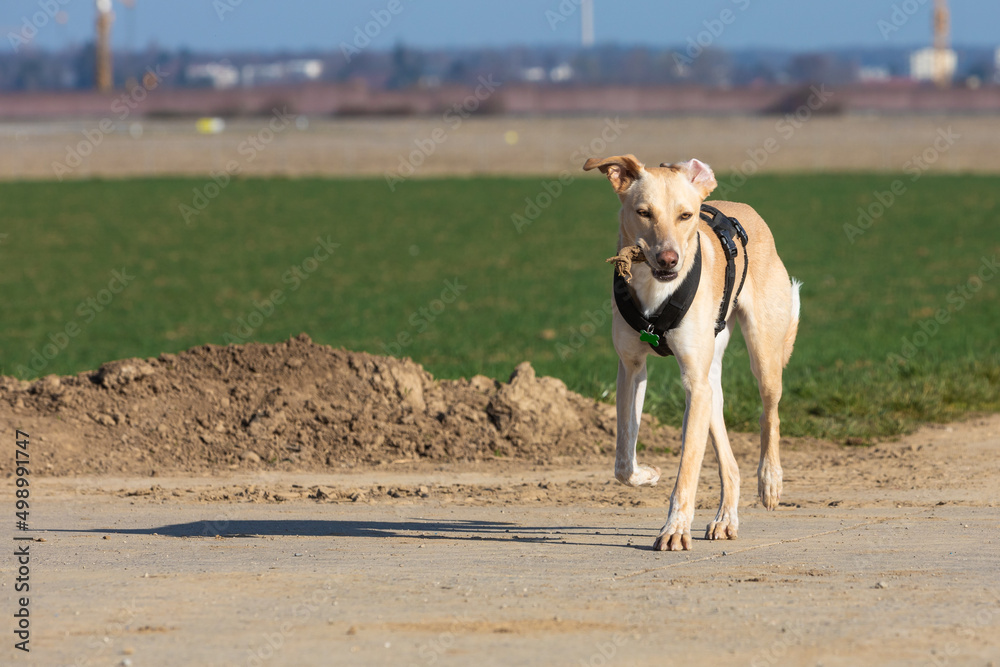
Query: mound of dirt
296	406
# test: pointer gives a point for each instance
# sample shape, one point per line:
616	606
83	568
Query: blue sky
272	25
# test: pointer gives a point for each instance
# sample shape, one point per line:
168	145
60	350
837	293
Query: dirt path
483	145
886	555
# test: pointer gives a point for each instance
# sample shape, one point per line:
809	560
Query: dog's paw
673	542
769	484
642	476
675	536
724	527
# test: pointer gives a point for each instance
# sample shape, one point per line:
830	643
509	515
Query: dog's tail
793	327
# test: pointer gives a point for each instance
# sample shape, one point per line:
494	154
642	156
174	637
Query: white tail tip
796	284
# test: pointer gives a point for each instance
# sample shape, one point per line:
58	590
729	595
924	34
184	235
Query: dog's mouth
663	275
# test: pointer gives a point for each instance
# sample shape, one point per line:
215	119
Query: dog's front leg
631	391
676	532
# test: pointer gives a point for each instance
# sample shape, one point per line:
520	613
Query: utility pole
587	23
105	77
942	73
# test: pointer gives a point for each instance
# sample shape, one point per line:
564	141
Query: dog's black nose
667	259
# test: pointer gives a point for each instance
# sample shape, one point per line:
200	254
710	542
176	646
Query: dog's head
660	207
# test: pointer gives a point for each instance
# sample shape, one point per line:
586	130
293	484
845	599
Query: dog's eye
685	216
643	212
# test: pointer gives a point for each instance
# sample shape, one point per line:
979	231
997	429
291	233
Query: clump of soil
296	406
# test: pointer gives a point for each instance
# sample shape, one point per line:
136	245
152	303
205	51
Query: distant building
557	74
281	72
534	74
873	74
561	72
213	75
224	75
923	64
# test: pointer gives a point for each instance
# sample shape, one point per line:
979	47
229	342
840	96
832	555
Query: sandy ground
420	146
882	555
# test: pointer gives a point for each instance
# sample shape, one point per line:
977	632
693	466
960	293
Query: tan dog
660	214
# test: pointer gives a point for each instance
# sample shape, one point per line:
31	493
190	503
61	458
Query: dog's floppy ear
700	174
621	170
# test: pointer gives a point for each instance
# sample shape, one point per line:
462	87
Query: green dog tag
651	338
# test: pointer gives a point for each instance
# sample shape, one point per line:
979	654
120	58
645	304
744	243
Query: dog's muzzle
663	275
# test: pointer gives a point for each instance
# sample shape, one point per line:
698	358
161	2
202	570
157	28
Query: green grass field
384	287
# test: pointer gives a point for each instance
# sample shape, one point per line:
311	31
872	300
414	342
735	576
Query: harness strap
671	313
724	227
677	305
746	262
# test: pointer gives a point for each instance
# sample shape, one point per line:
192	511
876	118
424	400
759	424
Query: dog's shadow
415	529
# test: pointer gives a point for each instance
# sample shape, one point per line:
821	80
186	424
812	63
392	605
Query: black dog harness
671	313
